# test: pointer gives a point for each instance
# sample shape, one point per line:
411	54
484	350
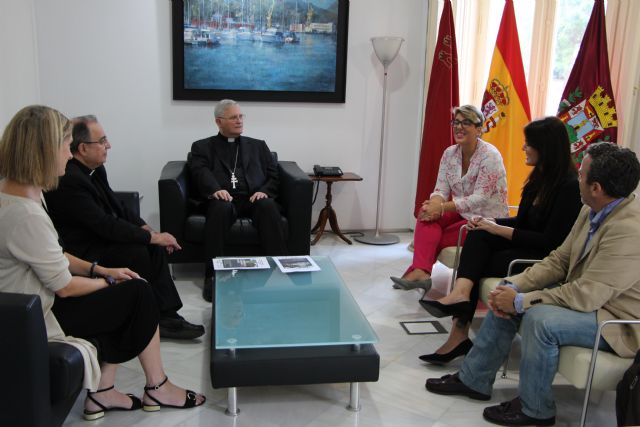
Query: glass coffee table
271	328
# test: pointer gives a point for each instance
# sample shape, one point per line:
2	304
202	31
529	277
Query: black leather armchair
184	217
40	380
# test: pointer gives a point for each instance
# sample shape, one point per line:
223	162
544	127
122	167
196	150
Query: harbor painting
260	50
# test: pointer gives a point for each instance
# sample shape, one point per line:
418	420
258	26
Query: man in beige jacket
591	277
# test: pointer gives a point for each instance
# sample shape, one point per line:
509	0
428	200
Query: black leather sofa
184	217
40	380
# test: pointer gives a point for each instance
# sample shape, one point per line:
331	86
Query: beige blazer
605	278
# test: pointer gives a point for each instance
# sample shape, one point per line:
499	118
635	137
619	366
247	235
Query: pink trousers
431	237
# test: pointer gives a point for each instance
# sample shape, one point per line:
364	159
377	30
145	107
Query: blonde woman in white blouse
471	182
34	150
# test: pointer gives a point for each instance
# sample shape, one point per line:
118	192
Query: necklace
234	180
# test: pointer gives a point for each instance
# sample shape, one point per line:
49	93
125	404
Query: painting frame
182	92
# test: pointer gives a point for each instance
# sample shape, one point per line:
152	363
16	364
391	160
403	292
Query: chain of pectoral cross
234	180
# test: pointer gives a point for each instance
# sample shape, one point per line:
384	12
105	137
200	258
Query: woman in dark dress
549	206
112	309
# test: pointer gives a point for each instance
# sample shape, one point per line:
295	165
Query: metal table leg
354	397
232	402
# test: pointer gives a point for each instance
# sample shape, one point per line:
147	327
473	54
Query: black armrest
30	367
173	198
66	379
131	199
295	194
24	361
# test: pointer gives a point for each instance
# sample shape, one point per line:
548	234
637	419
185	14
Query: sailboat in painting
272	34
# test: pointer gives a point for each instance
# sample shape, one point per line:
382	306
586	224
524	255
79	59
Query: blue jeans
544	328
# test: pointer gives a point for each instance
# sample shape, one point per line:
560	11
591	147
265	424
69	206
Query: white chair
584	368
592	368
450	256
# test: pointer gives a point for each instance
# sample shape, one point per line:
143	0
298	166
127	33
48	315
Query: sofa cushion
242	232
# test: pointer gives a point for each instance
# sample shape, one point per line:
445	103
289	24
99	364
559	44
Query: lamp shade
386	48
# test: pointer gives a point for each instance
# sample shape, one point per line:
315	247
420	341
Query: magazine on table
294	264
244	263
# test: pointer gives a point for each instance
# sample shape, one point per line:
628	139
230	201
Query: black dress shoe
442	359
437	309
179	329
451	385
510	414
207	289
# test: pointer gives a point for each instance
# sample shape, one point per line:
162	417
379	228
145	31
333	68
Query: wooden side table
327	213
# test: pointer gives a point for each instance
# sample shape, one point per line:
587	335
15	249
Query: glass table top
267	308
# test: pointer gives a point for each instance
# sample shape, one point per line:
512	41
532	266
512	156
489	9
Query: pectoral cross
234	180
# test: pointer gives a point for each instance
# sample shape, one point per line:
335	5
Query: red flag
587	107
442	96
505	103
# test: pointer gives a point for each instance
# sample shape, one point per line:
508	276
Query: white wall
18	61
113	58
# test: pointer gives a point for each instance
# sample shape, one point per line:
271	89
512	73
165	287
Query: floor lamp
386	49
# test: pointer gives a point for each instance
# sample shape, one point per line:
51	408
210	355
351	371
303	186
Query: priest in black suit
238	177
94	225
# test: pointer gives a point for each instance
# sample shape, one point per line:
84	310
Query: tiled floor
398	399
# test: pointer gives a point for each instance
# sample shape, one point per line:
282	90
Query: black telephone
327	170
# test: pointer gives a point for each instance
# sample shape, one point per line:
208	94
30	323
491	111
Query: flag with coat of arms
587	107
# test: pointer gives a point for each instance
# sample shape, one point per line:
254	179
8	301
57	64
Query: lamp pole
386	49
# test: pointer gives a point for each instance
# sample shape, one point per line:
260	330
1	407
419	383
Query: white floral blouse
482	191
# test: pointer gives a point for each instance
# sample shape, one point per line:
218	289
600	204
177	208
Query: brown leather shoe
510	414
451	385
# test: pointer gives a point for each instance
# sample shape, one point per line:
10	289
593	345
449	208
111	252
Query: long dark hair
549	137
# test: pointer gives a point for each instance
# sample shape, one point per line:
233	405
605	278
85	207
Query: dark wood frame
182	93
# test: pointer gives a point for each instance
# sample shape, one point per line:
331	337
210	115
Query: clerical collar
86	169
226	138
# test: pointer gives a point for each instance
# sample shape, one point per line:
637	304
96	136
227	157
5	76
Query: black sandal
94	415
190	400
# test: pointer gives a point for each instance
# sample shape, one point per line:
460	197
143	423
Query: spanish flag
506	103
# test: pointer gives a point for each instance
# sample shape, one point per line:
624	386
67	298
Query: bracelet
93	266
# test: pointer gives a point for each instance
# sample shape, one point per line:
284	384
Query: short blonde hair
470	112
30	144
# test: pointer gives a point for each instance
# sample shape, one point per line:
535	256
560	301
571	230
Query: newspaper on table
294	264
245	263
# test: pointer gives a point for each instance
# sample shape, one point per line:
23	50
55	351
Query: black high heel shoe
437	309
442	359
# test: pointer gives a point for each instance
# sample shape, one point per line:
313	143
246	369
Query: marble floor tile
398	399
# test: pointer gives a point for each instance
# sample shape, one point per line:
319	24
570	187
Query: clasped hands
480	223
501	301
224	195
431	210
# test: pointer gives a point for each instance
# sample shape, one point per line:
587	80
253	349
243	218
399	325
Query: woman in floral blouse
471	182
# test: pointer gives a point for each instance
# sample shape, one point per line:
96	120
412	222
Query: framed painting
260	50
